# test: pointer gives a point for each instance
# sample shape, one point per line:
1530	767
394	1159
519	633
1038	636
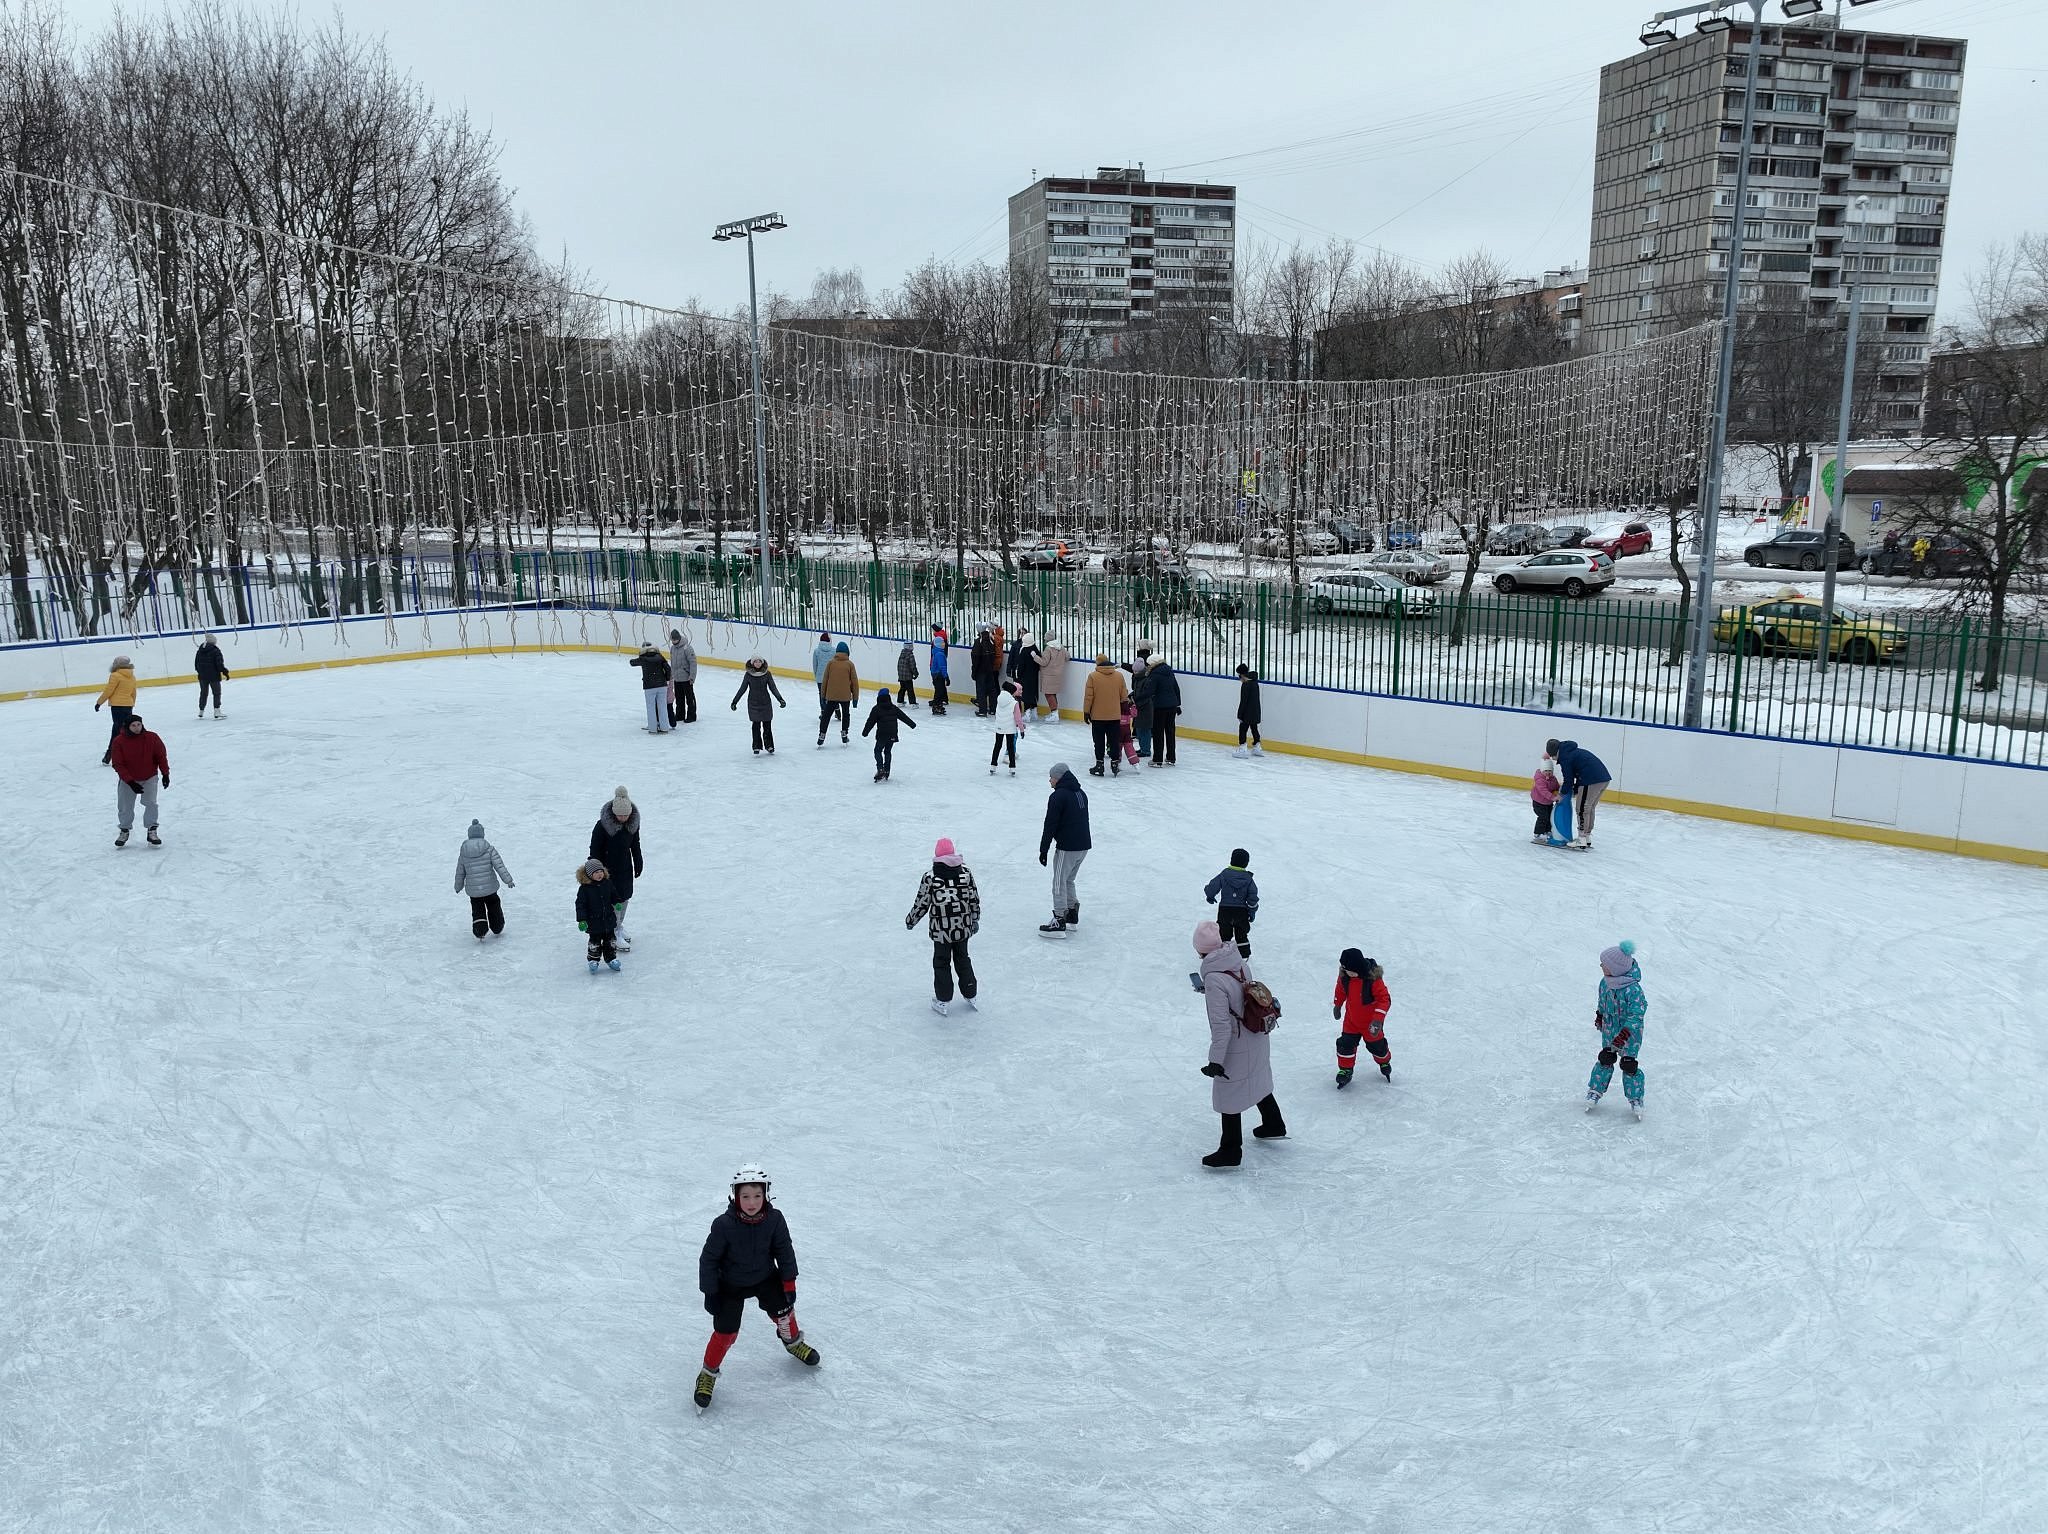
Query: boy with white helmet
748	1256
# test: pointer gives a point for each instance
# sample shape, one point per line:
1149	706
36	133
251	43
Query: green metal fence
1904	679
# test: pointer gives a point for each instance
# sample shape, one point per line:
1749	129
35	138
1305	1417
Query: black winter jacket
981	660
653	669
884	717
1234	887
594	907
1165	685
739	1255
1248	710
618	848
1066	817
211	665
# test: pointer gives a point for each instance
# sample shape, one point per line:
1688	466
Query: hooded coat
906	663
478	868
1246	1057
1164	685
842	682
1580	766
120	688
1249	710
885	718
757	687
821	657
941	667
682	658
981	660
1233	887
596	904
1066	817
653	667
1103	697
618	848
208	664
1052	669
1621	1007
949	893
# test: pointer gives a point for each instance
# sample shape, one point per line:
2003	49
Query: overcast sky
892	131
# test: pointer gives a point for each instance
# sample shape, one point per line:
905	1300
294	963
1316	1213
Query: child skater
1009	726
1249	711
478	873
748	1256
947	893
1235	894
1360	1005
883	721
597	916
1618	1014
1127	729
1543	799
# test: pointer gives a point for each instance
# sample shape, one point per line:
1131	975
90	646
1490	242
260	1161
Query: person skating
1102	705
1127	730
1235	894
1141	694
949	895
615	842
682	686
1618	1013
748	1256
1164	687
1052	676
757	686
1240	1065
1249	711
140	766
841	692
1009	726
906	674
1065	836
983	666
597	917
1359	1006
1585	779
1543	792
478	873
883	721
212	669
941	668
119	695
654	675
1027	663
821	657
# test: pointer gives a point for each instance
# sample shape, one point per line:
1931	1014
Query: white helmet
751	1173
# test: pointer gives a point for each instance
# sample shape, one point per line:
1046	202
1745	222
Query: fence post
1262	628
874	596
1556	650
1955	713
154	606
1400	624
1735	685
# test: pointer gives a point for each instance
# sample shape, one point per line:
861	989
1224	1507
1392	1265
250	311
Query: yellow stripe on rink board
1883	835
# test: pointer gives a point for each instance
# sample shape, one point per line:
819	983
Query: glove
1337	1011
710	1304
583	926
733	707
1213	1069
909	922
1041	860
510	885
167	780
96	708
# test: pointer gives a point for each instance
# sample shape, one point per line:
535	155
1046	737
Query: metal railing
1906	680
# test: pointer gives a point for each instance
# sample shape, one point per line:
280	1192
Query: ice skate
991	772
593	966
707	1381
1257	749
1275	1132
152	838
621	943
1592	1101
939	1006
821	740
1386	1073
1539	838
1013	772
1057	927
612	965
1242	753
968	1003
802	1351
1580	844
1095	771
1074	914
202	713
1637	1109
845	739
481	933
1343	1077
121	838
1222	1158
216	713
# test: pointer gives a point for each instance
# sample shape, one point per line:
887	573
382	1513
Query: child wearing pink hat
948	897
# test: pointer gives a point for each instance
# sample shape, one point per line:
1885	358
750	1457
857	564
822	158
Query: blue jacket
1165	685
1623	1010
939	667
1580	766
1066	817
1233	887
821	657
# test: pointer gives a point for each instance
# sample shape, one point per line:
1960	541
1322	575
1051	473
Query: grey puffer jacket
682	659
757	687
1246	1058
478	868
949	893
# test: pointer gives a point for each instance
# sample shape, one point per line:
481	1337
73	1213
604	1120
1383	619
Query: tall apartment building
1840	115
1118	249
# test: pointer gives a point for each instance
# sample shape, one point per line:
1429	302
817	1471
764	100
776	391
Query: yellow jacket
1103	696
120	689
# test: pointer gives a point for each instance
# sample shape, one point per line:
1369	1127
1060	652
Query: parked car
1173	589
1573	572
1634	538
1055	555
1352	537
1412	566
1136	555
937	572
1925	554
1519	538
1792	625
1404	535
1320	541
1370	592
1798	549
1569	535
1271	542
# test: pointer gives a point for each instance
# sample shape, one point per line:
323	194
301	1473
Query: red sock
716	1349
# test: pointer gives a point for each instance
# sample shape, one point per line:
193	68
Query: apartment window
1653	183
1657	152
1647	248
1880	204
1792	199
1113	251
1218	256
1724	197
1877	173
1107	231
1065	206
1912	295
1221	215
1919	235
1872	138
1916	266
1921	205
1872	234
1797	70
1646	303
1885	109
1660	123
1646	275
1870	263
1738	68
1752	228
1805	138
1661	91
1068	228
1653	213
1798	169
1933	112
1928	175
1934	80
1787	231
1787	261
1062	273
1939	143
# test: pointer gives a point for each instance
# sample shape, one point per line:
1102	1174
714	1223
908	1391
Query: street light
746	229
1797	8
1830	556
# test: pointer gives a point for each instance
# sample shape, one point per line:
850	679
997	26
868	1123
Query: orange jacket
1364	1012
1103	696
120	689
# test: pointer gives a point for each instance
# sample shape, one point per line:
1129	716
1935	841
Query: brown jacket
842	682
1103	697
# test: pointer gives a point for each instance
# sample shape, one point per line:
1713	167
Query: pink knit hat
946	853
1208	938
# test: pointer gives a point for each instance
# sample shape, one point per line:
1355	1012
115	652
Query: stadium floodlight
1657	33
1797	8
746	229
1717	21
740	229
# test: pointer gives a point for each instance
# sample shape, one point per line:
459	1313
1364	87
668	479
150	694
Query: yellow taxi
1790	624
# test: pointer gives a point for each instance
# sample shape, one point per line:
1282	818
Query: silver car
1574	572
1369	591
1412	565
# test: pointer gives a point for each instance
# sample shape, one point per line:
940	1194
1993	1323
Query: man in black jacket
212	667
1165	690
985	666
1066	837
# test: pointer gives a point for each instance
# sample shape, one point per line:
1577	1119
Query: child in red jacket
1361	1006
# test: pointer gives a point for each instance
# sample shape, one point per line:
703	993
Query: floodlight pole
746	228
1830	555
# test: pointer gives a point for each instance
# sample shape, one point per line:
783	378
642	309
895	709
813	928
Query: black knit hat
1354	961
1239	858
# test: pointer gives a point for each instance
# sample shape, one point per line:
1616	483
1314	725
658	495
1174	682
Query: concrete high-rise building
1840	115
1118	249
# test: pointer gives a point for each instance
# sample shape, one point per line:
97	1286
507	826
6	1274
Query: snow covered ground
320	1216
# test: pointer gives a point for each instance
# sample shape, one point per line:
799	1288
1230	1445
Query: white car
1412	566
1369	592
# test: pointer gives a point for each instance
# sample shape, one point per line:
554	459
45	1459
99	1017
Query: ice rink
320	1216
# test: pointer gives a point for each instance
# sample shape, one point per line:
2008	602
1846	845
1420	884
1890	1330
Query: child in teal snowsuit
1619	1016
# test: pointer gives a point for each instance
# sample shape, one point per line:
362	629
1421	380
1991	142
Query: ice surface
318	1216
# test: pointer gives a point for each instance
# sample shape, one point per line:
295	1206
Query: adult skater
841	692
821	657
478	872
1249	711
140	764
1052	676
906	674
1065	836
1102	704
615	842
947	891
1618	1013
941	668
983	667
682	686
748	1256
212	669
1240	1049
119	695
757	686
1585	779
883	721
654	674
1141	695
1164	686
1027	662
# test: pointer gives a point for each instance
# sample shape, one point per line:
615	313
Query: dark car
937	572
1634	538
1172	589
1352	537
1569	535
1923	554
1136	556
1799	549
1519	538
